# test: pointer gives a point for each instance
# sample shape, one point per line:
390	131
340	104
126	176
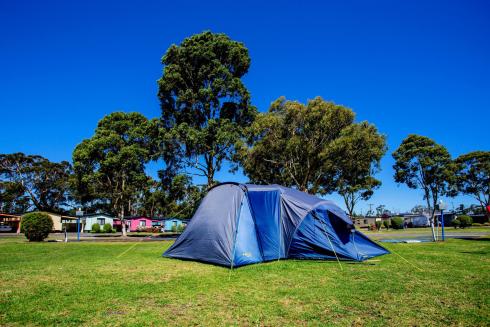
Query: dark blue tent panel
241	224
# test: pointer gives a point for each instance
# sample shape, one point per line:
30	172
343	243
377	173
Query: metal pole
442	223
78	229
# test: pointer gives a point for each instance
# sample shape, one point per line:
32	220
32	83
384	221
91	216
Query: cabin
172	224
10	220
60	222
137	223
96	218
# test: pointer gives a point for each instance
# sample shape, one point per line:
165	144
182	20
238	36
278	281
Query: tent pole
334	252
328	238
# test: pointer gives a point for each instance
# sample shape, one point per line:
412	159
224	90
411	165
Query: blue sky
408	67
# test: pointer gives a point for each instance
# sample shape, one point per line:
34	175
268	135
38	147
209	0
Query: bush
378	225
95	228
174	228
476	225
456	223
386	224
107	228
36	226
465	221
180	228
397	223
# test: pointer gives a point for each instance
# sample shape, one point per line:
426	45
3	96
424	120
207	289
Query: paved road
423	234
88	237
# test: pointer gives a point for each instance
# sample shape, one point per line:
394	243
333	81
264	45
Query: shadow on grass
484	239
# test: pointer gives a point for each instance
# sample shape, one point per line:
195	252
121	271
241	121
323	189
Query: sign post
79	214
442	206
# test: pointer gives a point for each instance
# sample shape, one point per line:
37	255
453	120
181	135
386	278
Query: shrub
466	221
107	228
95	228
378	225
174	228
476	224
180	228
397	222
36	226
456	223
386	224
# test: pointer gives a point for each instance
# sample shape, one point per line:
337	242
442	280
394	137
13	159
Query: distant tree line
207	120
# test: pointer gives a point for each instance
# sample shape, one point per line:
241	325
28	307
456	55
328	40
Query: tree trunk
123	223
210	174
431	219
348	204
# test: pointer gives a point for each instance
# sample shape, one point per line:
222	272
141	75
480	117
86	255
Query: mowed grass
104	283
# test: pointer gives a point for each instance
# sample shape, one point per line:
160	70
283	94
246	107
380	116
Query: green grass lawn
104	283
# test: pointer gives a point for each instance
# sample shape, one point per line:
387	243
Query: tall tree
287	144
13	198
352	160
473	177
205	105
43	182
171	196
110	166
421	163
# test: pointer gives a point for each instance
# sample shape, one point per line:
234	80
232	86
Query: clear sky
407	66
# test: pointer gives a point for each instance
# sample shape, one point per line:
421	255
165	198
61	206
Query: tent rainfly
241	224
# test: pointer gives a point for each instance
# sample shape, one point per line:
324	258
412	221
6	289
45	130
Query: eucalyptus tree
316	148
287	143
205	105
473	177
36	179
352	160
109	167
421	163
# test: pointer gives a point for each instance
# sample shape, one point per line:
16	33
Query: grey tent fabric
209	235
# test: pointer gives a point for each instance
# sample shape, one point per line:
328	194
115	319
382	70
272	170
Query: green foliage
13	198
107	228
26	179
352	159
386	224
397	223
288	142
473	176
456	223
180	228
316	148
95	228
174	228
205	105
171	196
465	221
36	226
378	224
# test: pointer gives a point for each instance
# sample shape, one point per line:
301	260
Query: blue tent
241	224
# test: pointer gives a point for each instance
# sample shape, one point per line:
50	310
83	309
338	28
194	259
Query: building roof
98	214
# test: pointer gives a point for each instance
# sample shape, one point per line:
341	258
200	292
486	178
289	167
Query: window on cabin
142	223
101	221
